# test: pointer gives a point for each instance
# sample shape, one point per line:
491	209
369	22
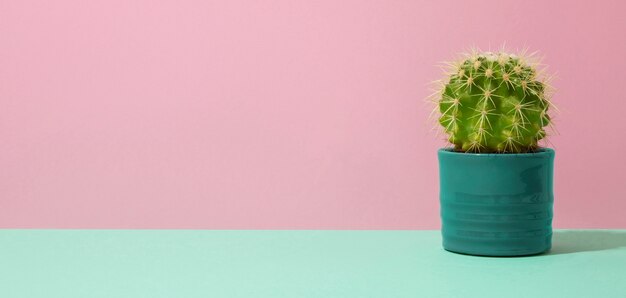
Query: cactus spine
494	103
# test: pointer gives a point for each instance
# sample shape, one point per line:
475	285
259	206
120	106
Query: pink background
279	114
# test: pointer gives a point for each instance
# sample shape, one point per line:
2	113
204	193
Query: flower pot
496	204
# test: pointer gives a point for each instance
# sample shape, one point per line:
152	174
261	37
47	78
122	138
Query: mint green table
254	264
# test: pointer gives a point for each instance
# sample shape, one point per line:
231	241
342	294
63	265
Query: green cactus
494	103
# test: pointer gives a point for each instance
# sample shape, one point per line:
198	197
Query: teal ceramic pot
496	204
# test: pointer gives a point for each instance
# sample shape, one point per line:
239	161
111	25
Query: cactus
494	103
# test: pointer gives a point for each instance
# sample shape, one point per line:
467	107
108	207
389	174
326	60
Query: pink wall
279	114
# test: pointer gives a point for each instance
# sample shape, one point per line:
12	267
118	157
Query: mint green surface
185	263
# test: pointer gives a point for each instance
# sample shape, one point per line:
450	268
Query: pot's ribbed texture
496	204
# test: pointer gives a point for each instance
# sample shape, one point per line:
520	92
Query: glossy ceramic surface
496	204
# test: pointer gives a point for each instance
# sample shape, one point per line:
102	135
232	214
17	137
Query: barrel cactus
494	103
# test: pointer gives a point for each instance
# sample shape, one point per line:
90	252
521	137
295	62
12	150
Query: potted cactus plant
495	180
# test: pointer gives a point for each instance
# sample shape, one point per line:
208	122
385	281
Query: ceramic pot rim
540	152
